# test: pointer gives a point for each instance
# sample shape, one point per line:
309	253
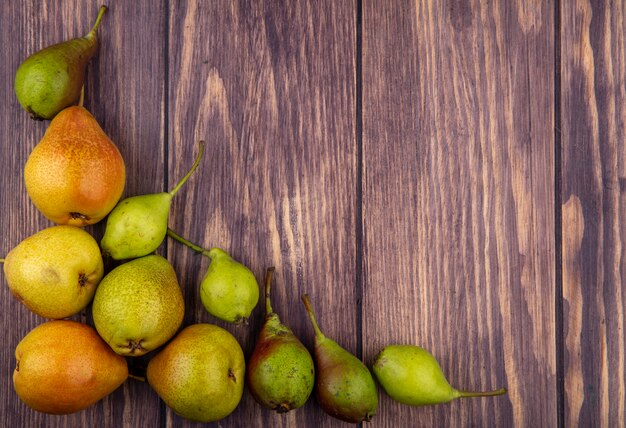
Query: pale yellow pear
55	272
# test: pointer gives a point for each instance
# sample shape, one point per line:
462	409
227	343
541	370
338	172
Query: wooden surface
442	173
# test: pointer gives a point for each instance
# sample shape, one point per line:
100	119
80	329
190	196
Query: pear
75	175
137	225
138	306
54	272
280	374
51	79
64	366
229	290
200	373
344	386
411	375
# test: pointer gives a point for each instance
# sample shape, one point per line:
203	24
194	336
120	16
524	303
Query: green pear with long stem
229	290
51	79
280	374
138	225
344	386
411	375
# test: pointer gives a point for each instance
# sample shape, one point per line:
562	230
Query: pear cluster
75	177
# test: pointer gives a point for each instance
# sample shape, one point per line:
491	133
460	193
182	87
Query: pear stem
309	310
139	378
466	394
81	100
188	243
101	12
1	260
269	275
193	168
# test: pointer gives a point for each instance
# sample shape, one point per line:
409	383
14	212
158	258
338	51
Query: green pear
411	375
200	373
51	79
63	367
229	290
138	306
137	225
280	374
54	272
344	386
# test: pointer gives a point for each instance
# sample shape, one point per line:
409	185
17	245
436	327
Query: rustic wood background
443	173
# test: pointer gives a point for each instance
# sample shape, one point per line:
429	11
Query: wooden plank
593	111
458	165
124	91
270	86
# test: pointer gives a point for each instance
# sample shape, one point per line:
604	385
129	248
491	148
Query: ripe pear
137	225
75	175
344	386
229	290
411	375
138	306
51	79
54	272
64	366
200	373
280	374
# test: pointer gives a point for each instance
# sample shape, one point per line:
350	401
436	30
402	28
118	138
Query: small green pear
411	375
51	79
137	225
200	373
55	272
229	290
138	306
280	374
344	386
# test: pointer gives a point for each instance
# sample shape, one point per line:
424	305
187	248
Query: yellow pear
200	373
55	272
138	306
75	175
64	366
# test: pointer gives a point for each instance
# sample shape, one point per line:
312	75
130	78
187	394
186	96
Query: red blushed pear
76	174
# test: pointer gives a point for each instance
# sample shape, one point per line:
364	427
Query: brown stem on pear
186	242
466	394
139	378
193	168
269	275
1	260
81	100
309	310
101	12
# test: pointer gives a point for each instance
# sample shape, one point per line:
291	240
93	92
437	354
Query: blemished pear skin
411	375
63	367
229	290
280	373
344	386
55	272
138	306
51	79
137	225
200	373
76	174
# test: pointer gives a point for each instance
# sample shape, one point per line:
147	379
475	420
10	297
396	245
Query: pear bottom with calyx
280	373
344	386
137	225
411	375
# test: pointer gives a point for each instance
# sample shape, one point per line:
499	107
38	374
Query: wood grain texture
593	111
458	224
124	91
271	88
